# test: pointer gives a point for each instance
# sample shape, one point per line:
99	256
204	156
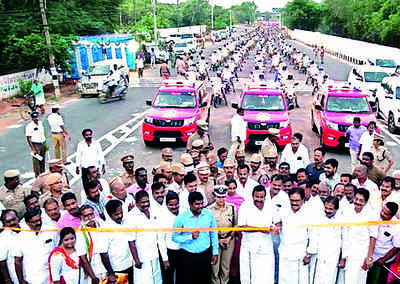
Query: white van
91	81
388	102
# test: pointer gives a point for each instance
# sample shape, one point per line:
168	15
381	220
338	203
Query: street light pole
48	43
153	6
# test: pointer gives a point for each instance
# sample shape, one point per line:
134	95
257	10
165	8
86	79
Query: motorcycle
290	94
106	94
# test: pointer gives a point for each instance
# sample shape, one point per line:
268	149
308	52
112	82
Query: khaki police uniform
14	198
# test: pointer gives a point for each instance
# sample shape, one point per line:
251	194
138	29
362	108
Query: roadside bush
24	87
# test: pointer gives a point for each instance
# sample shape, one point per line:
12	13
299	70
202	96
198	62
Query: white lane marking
383	128
391	143
15	126
131	139
108	137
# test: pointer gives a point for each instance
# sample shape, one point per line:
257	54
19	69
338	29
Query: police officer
167	155
36	138
212	161
271	141
128	176
12	193
55	166
201	133
225	216
255	167
206	183
54	182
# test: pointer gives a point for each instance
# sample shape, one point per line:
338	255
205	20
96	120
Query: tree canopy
376	21
22	44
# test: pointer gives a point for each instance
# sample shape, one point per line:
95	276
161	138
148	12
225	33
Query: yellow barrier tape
221	229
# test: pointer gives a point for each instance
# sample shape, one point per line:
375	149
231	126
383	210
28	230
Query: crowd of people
278	217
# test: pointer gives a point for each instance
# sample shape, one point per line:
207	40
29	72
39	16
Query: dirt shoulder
9	114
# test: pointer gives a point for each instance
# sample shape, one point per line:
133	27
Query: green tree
302	14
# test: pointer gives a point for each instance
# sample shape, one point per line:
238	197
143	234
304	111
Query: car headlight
148	120
332	125
284	124
188	121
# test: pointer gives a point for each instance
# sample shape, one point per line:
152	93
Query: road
110	120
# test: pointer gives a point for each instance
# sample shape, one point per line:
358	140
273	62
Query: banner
9	83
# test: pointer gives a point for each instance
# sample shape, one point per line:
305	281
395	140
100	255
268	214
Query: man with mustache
387	245
127	176
294	255
270	161
89	153
95	199
190	183
178	173
245	185
199	250
8	240
257	253
229	171
327	244
315	169
12	193
212	161
157	198
88	246
359	241
374	173
116	244
71	218
33	250
53	212
144	246
385	194
361	179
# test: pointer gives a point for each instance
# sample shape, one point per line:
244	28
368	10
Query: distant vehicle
91	81
367	79
264	108
333	111
388	102
182	47
161	55
387	63
174	110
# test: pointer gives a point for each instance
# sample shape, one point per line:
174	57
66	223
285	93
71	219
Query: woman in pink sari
233	198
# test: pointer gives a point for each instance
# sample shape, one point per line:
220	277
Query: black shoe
297	106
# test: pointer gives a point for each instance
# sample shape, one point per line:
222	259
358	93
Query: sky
263	5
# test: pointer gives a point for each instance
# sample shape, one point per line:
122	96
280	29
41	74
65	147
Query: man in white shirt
361	179
330	177
157	198
293	250
245	185
280	207
173	250
116	243
238	130
366	139
358	241
8	239
296	154
387	245
144	246
118	192
52	212
256	253
327	243
33	250
58	133
89	153
36	138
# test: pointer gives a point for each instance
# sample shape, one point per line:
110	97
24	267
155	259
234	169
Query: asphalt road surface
118	124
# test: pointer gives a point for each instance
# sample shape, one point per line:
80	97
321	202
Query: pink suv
333	111
174	110
264	108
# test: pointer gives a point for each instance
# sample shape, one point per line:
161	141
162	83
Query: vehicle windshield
386	63
99	70
175	100
263	102
347	104
187	36
375	77
180	44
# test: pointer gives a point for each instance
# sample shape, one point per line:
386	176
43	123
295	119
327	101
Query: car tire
378	111
321	139
313	126
148	143
392	124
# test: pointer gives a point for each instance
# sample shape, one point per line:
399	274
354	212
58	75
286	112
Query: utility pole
177	15
153	6
48	43
230	19
212	14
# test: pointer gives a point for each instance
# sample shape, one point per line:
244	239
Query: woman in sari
64	266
